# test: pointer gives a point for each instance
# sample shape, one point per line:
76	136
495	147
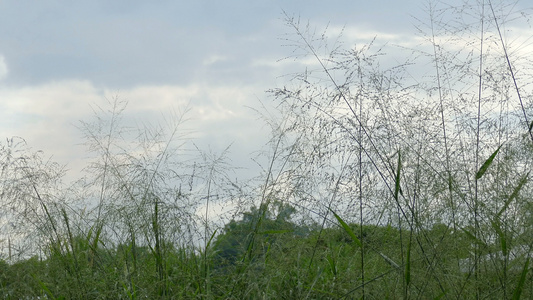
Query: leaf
332	265
96	240
408	265
397	188
389	261
473	237
520	286
501	235
44	287
517	189
128	293
347	228
211	239
487	164
530	126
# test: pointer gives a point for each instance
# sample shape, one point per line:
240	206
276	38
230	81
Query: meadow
380	181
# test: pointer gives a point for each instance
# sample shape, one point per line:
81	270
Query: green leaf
96	240
517	189
530	126
128	293
347	228
397	188
408	265
473	237
332	264
44	287
391	262
487	164
520	286
211	239
501	235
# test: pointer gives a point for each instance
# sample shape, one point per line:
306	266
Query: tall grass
459	175
408	181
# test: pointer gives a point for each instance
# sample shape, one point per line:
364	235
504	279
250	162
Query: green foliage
426	222
233	244
520	286
279	266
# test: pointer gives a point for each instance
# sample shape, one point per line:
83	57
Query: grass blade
501	235
520	286
391	262
332	264
521	183
347	229
397	188
473	237
408	265
486	164
211	239
44	287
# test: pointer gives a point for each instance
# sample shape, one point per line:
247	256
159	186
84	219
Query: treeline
265	254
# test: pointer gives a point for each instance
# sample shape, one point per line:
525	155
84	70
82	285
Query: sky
60	59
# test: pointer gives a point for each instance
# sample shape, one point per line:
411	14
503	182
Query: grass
379	185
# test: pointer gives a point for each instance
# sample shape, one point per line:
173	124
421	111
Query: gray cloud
218	56
125	43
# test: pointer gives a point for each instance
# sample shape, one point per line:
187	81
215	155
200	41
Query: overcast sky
57	58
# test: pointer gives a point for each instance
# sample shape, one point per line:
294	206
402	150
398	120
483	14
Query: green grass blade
397	188
332	264
517	189
486	164
211	239
408	265
520	286
391	262
347	229
96	240
126	290
473	237
501	235
44	287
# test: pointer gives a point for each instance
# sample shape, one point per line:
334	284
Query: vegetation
378	185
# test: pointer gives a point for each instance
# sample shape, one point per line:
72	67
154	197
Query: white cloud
214	59
3	68
46	115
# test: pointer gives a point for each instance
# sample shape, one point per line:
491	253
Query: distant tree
260	226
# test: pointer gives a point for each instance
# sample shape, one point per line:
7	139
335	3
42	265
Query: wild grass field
380	181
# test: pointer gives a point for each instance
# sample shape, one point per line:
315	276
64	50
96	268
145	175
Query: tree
251	236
